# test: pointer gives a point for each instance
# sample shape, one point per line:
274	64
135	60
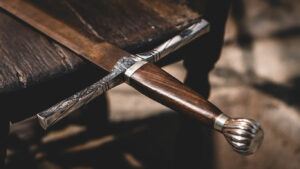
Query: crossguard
244	135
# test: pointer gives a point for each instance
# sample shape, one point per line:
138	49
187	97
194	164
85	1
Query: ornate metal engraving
173	44
60	110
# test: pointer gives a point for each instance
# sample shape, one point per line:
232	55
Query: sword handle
244	135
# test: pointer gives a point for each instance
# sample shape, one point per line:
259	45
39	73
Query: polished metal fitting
244	135
130	71
220	121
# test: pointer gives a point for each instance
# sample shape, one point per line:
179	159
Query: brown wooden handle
157	84
244	135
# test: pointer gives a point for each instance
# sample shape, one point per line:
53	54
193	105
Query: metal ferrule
220	121
130	71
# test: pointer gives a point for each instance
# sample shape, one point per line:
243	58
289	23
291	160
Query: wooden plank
128	24
28	58
35	72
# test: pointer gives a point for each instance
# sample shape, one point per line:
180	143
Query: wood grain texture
128	24
36	72
164	88
28	58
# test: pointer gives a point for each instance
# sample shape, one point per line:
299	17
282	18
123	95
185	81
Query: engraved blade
101	53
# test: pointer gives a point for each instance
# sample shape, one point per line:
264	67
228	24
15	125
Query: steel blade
100	53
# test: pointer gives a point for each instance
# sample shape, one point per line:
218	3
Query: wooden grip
157	84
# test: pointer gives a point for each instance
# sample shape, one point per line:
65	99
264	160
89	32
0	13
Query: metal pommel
244	135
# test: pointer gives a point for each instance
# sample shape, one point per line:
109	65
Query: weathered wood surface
36	72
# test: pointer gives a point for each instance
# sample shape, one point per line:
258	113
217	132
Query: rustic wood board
128	24
33	66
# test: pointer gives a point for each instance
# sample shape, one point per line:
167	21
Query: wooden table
36	72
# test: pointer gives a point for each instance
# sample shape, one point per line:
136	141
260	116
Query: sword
244	135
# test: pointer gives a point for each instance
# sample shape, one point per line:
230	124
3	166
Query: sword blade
99	52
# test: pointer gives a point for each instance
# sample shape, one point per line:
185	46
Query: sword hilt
244	135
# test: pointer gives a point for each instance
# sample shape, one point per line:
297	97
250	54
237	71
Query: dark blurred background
257	76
